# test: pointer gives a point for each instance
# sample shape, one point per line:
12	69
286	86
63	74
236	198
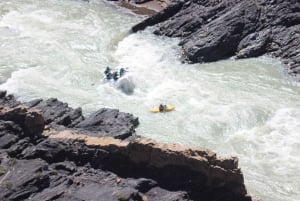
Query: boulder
31	121
220	29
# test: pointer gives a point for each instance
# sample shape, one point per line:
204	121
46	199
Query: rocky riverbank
49	151
219	29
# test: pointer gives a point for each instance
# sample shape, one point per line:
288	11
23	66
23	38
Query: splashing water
246	108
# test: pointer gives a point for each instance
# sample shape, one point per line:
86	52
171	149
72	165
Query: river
246	108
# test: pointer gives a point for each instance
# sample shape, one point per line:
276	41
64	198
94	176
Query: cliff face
219	29
42	158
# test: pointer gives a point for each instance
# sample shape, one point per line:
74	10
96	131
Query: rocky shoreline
49	151
219	29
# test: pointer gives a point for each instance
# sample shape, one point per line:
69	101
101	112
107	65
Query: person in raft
162	108
115	76
122	72
108	74
107	70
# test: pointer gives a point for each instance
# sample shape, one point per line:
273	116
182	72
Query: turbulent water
246	108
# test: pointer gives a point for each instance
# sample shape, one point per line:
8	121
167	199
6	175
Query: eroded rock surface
219	29
69	164
58	115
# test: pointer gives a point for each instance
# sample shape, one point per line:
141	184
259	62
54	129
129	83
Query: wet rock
8	100
254	44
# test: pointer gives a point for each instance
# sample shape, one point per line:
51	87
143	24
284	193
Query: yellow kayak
168	109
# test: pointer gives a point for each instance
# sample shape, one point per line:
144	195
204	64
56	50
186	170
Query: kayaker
161	108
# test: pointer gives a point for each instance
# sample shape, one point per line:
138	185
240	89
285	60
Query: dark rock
82	155
34	123
16	149
94	184
33	103
228	163
55	151
7	140
66	166
159	17
31	121
56	112
105	122
50	151
9	127
166	196
219	29
141	1
254	44
144	185
8	100
24	179
2	93
108	122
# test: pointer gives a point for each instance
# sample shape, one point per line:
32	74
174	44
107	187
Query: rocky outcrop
32	122
219	29
172	165
168	12
58	115
44	160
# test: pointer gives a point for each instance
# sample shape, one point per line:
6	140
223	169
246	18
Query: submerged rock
219	29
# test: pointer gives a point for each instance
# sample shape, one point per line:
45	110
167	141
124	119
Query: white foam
242	107
272	150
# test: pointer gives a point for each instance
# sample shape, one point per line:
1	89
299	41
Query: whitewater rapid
246	108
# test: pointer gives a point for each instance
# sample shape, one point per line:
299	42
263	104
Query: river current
246	108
